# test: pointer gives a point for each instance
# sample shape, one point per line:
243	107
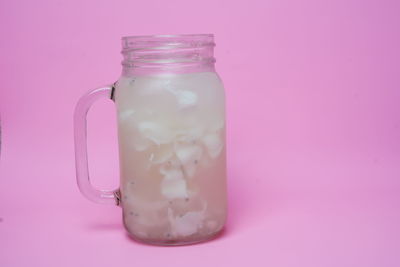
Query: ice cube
186	99
190	132
213	143
187	224
174	185
156	132
188	153
162	154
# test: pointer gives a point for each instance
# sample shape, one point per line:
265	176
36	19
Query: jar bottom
176	242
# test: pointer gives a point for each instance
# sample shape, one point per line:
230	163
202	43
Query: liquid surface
172	154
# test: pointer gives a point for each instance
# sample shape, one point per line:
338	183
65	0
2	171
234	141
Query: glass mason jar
171	131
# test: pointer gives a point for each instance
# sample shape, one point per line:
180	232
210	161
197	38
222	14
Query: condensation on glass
171	131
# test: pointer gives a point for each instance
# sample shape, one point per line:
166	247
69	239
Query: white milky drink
172	156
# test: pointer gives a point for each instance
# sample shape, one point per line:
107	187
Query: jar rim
162	42
165	36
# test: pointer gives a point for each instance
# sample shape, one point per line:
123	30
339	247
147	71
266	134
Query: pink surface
313	94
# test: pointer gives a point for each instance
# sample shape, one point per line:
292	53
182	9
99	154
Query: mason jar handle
81	157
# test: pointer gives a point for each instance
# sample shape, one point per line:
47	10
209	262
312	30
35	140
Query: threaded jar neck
168	53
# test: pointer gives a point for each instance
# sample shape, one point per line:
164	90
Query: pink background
313	101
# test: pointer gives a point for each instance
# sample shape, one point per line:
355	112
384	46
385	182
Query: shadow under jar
171	131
